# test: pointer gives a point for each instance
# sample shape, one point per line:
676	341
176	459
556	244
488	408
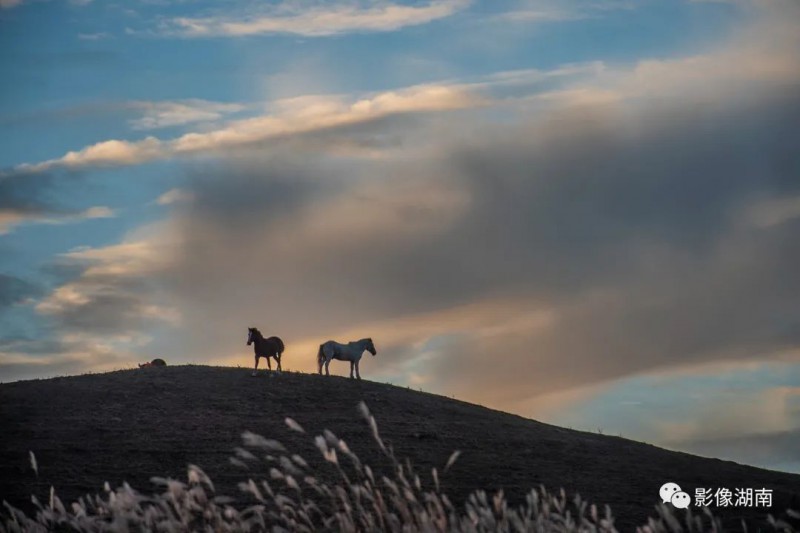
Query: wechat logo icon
672	493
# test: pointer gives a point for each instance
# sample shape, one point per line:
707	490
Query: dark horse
271	347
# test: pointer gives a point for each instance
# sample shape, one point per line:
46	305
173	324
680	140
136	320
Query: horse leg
278	358
255	370
269	365
357	372
327	364
352	364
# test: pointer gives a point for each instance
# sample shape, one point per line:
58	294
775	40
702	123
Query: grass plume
292	497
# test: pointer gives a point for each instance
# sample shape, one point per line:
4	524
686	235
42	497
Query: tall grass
293	498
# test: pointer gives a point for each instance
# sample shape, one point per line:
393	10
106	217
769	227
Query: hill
132	425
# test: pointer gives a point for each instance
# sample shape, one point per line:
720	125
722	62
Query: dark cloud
38	117
45	353
776	448
64	365
30	196
59	271
641	245
14	290
25	194
634	230
239	198
35	346
115	312
104	303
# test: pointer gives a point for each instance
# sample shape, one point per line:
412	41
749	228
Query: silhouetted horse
154	362
271	347
352	351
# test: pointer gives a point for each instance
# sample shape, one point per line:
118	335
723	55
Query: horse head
251	335
370	347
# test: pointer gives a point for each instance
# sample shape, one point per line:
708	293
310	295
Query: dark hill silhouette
134	424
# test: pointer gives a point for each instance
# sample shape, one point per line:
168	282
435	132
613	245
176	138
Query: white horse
352	351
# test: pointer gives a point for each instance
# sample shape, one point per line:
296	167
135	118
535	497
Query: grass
293	497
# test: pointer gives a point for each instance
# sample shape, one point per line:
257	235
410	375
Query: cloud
324	21
24	358
10	218
775	211
559	239
776	449
745	411
25	199
754	427
762	58
625	222
106	153
14	290
633	245
536	11
114	294
289	117
177	113
534	15
768	411
23	195
5	4
94	36
102	313
173	196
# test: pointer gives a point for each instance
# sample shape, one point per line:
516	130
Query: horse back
278	342
331	345
269	347
337	350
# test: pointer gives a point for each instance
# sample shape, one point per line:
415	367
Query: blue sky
578	211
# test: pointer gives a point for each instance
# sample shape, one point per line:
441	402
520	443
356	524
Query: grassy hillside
135	424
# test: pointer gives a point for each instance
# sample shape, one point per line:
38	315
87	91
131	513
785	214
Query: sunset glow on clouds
520	210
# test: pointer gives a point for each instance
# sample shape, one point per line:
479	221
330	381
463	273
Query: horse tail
320	356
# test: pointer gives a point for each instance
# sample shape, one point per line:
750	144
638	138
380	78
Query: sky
582	212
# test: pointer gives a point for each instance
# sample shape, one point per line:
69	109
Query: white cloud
767	213
538	11
758	56
165	114
529	16
112	152
5	4
94	36
129	258
9	218
289	117
319	21
115	294
174	196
